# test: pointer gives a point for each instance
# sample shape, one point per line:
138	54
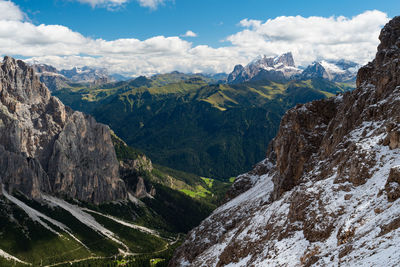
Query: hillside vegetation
186	123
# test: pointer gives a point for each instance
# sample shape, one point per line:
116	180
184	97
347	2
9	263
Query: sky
145	37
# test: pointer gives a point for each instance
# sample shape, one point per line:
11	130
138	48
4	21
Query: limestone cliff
47	147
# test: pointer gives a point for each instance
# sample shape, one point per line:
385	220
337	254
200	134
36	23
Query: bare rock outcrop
392	186
47	147
328	192
131	172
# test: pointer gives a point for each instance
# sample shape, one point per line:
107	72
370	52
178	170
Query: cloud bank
309	39
314	37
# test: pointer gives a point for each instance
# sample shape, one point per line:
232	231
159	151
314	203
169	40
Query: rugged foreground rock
328	192
47	147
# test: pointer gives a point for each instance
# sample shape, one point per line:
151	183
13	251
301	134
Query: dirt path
166	247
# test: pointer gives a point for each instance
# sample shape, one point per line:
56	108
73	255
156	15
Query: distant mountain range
332	70
278	69
265	68
283	67
56	80
218	110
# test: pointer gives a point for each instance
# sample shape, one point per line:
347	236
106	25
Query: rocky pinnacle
45	147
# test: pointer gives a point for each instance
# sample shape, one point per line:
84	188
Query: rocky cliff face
265	68
51	77
328	192
132	171
46	147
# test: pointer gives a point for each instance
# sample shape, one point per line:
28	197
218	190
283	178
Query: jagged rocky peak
132	170
19	81
238	68
56	80
238	73
383	72
48	148
332	70
328	193
285	59
43	68
50	76
271	68
87	75
283	67
315	70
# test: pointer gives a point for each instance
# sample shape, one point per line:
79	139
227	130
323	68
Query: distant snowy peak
263	67
333	70
43	69
283	67
56	80
87	74
285	60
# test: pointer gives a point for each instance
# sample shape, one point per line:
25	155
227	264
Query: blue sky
212	20
146	36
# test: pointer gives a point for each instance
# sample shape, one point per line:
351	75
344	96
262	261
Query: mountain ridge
281	68
328	191
56	80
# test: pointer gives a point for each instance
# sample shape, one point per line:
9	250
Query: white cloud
308	38
189	34
10	11
314	37
103	3
153	4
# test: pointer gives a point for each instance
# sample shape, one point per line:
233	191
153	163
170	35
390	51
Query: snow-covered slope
337	71
87	75
56	80
283	67
272	68
328	192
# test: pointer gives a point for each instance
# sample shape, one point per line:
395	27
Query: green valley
188	123
140	231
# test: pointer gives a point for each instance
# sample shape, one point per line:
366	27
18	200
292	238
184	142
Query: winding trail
114	256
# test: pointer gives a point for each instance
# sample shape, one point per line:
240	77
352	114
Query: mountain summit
273	68
86	76
332	70
283	68
328	192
